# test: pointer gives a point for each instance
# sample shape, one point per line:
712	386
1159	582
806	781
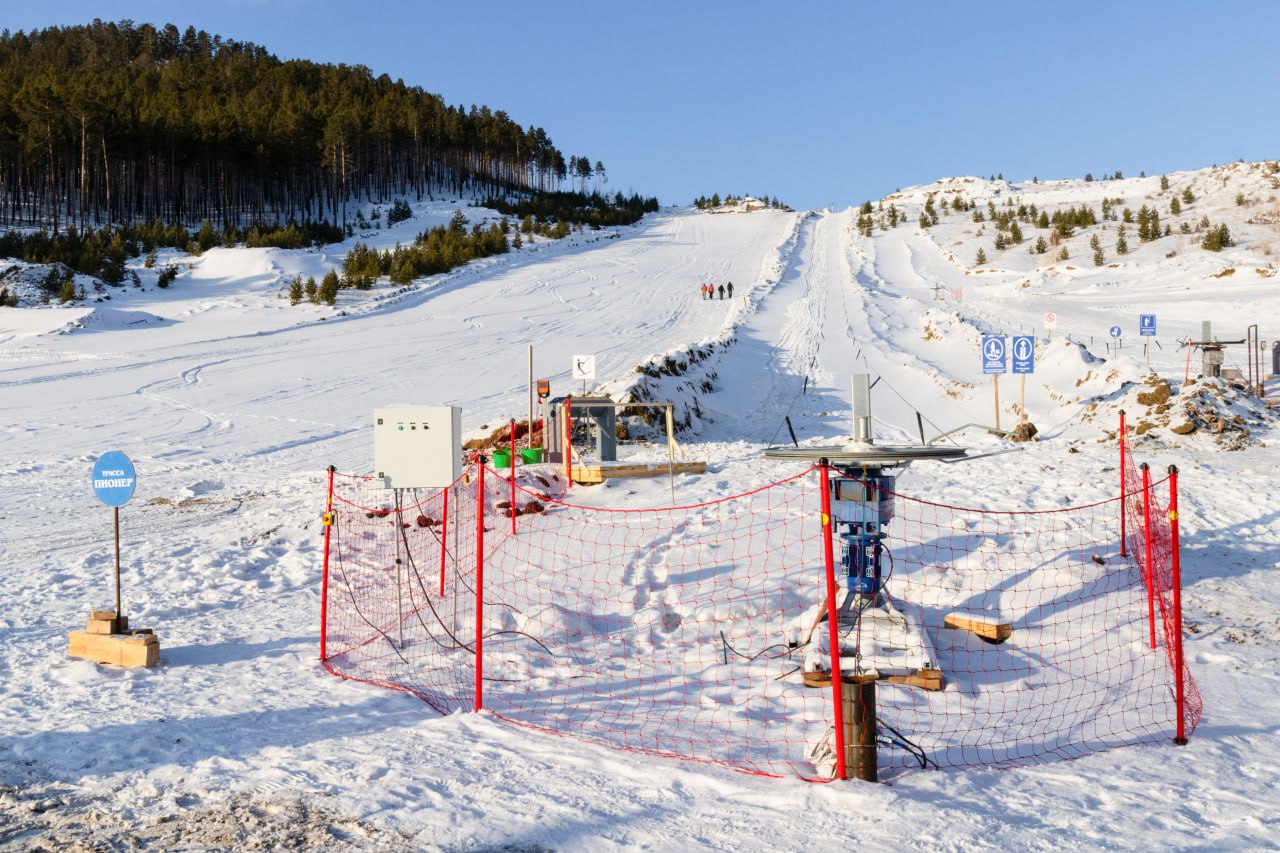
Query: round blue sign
1115	331
114	478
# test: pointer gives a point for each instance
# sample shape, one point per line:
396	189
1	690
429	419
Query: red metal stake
444	527
1149	572
833	620
513	476
1178	665
1124	501
324	577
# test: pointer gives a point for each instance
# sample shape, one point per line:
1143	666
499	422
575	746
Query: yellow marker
826	520
1173	515
328	519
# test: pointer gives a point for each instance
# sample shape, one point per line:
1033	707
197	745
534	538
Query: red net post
1178	663
833	621
1148	572
513	475
444	530
1123	497
324	577
479	592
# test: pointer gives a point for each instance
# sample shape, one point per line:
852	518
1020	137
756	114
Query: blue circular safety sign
1115	331
114	478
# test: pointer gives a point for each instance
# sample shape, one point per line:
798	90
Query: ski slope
231	404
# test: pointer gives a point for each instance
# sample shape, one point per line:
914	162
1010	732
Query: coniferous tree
1164	182
1122	245
1175	207
1187	196
295	290
1041	245
1098	257
329	288
981	258
1015	233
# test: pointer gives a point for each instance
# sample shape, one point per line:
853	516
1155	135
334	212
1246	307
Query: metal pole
117	518
324	577
860	717
1179	669
1022	397
1149	572
480	583
833	621
399	525
531	395
671	452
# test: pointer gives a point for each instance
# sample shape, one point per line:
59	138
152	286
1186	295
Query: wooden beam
988	628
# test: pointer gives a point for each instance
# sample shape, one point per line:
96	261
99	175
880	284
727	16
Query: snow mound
109	319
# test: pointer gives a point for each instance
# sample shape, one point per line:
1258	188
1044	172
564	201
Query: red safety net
687	631
1150	513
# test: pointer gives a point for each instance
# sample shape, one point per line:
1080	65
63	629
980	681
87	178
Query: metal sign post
114	481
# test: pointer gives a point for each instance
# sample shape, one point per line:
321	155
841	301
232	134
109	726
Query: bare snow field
231	403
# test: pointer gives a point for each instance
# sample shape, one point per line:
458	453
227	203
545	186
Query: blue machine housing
863	506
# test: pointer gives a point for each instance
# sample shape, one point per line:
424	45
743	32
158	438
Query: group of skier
709	291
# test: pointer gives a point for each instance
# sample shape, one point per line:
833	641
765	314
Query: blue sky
817	103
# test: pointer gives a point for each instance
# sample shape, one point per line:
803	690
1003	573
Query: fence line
688	631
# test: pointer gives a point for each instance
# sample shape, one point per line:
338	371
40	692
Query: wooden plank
100	626
120	649
593	474
925	679
990	629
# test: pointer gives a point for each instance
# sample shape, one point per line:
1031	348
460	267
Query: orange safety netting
686	631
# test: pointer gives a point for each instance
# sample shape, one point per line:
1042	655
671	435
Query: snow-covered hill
231	402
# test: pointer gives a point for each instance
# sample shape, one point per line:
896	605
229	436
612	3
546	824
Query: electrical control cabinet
417	447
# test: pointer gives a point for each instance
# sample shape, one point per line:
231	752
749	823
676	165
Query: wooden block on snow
102	614
987	628
120	649
113	625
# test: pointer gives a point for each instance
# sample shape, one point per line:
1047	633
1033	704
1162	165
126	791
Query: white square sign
584	367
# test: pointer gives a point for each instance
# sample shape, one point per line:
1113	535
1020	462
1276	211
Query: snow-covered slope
231	403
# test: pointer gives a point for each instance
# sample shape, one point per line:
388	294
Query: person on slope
730	290
722	291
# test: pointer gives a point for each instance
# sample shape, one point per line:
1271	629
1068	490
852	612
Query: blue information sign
993	349
1147	325
1115	331
114	478
1024	354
